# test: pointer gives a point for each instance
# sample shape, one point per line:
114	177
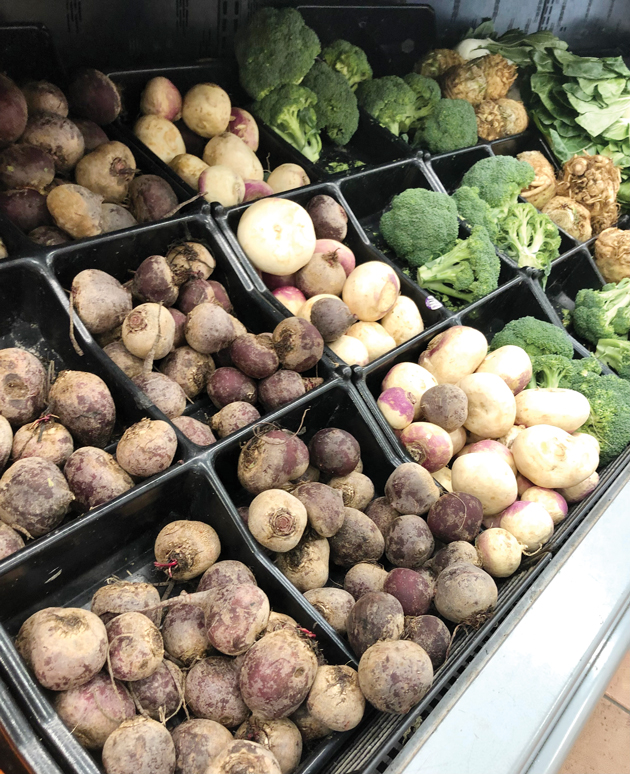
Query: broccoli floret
609	420
274	48
530	237
499	179
549	370
427	93
616	354
351	61
290	111
468	272
535	337
336	108
451	125
476	211
603	314
389	101
420	225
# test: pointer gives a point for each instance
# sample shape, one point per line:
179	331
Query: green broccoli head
609	420
499	179
529	237
550	370
616	354
602	314
348	60
274	48
468	272
536	337
336	109
420	225
290	111
389	101
451	125
427	93
476	211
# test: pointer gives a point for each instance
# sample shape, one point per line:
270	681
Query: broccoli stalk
602	314
549	370
530	237
468	272
616	354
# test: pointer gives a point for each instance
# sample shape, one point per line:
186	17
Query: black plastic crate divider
374	742
119	542
371	144
120	255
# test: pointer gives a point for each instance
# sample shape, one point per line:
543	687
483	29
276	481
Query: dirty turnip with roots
107	170
58	136
277	520
84	405
10	541
255	355
465	594
457	552
280	388
382	514
268	461
228	385
243	755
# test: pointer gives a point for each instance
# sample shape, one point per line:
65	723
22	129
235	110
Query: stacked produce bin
114	540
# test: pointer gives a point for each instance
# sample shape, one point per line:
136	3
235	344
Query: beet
382	514
455	516
363	578
212	691
197	742
129	364
154	282
277	520
26	166
179	318
189	368
10	541
333	604
139	746
226	573
454	553
411	490
268	461
233	417
94	96
241	755
375	616
188	547
135	646
93	135
306	565
280	388
84	405
334	451
161	694
322	274
281	737
228	385
356	489
25	208
409	542
358	540
194	292
196	431
324	507
330	220
298	343
100	300
236	617
414	590
335	697
221	296
163	392
76	210
46	439
255	355
107	170
190	260
209	328
95	477
126	597
151	198
22	386
184	634
13	111
49	236
58	136
432	634
332	318
147	448
465	594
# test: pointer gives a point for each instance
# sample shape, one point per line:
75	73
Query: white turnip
499	551
553	502
529	522
454	354
374	337
371	291
581	490
161	136
230	151
350	350
566	409
427	444
160	97
491	405
488	477
412	378
206	109
243	125
403	321
286	177
221	184
512	364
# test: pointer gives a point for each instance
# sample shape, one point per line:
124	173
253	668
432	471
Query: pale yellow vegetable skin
188	167
403	321
161	136
566	409
455	353
491	405
487	477
206	109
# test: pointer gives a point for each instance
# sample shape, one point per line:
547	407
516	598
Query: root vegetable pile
62	178
184	324
205	681
301	257
209	143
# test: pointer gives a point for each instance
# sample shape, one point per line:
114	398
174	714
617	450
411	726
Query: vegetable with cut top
291	112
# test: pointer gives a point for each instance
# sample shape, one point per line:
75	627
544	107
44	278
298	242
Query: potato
206	109
491	405
454	354
566	409
160	136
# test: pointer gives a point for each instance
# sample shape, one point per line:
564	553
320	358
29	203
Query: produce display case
64	567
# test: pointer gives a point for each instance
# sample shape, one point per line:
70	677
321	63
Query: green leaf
612	88
484	30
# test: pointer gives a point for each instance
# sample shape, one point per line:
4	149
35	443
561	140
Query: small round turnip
306	565
330	220
492	447
433	636
126	597
350	350
429	445
488	478
499	551
184	634
189	168
403	321
95	477
580	491
243	125
100	300
163	392
333	604
233	417
219	183
374	337
371	291
226	573
94	710
197	742
356	488
397	406
256	189
160	97
529	522
455	516
34	496
161	136
107	171
394	676
161	694
135	646
286	177
47	439
149	328
277	520
335	698
512	364
375	616
363	578
281	737
465	594
196	431
290	297
310	728
212	691
553	502
64	647
206	109
382	514
139	746
277	674
413	379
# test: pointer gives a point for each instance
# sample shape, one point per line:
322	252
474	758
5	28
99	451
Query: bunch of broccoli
466	273
488	197
551	352
602	314
296	95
